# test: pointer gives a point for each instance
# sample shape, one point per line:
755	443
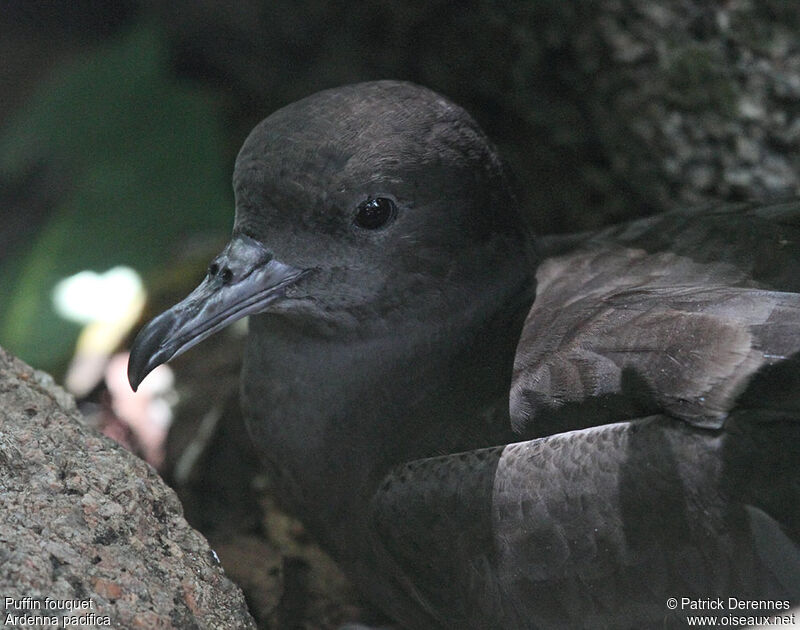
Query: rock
89	529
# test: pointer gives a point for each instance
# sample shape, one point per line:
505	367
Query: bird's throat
332	417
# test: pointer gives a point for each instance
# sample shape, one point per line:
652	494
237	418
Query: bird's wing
675	315
762	242
597	527
686	328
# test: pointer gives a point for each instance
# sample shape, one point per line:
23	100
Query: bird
493	429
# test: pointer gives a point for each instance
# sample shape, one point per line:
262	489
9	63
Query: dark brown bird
650	445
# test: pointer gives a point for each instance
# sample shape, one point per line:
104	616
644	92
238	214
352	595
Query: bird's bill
243	280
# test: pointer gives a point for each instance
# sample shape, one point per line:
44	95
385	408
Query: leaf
147	169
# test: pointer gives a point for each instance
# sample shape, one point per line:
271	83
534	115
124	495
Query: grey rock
84	520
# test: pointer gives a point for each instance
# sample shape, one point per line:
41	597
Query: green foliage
146	162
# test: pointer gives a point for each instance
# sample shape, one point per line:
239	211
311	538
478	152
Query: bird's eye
375	213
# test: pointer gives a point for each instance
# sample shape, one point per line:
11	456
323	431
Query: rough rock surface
85	521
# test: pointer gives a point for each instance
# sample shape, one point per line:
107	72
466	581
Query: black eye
375	213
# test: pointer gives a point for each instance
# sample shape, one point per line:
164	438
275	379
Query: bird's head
356	208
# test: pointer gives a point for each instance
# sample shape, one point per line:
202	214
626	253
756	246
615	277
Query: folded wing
624	326
598	527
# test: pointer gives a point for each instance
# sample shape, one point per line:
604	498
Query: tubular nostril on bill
223	273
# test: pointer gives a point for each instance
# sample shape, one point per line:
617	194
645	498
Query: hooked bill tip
135	372
147	351
132	380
